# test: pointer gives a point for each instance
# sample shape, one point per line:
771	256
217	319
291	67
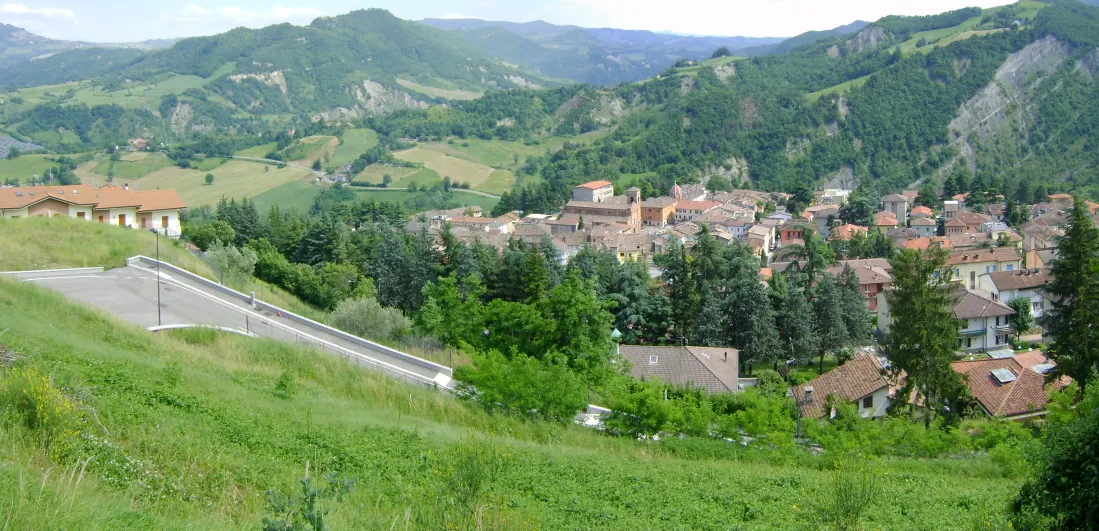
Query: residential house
739	227
1010	388
922	243
763	234
593	192
124	207
874	278
925	226
898	205
819	216
968	265
713	370
636	247
954	226
973	221
884	221
794	230
689	192
1005	286
862	381
833	196
845	232
1040	257
472	223
657	211
984	321
531	234
565	223
138	144
691	210
921	212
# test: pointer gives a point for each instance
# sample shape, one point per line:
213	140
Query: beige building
150	209
593	192
967	266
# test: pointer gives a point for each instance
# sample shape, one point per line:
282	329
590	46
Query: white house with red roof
149	209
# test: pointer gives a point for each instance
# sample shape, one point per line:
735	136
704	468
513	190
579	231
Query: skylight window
1003	375
652	359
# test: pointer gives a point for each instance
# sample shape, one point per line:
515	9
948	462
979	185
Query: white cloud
247	17
48	12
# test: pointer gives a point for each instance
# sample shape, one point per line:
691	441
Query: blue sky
123	21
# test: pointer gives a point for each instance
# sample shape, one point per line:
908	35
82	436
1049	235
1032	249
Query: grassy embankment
190	430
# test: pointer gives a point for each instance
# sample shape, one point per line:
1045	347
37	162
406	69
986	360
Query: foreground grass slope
192	430
55	243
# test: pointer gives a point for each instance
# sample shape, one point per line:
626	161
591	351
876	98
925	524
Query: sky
128	21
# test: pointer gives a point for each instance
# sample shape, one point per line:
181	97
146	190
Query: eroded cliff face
1004	110
371	98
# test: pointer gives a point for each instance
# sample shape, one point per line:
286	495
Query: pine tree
754	332
681	289
855	316
923	333
795	324
831	329
1075	295
712	325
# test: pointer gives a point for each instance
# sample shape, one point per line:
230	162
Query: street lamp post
484	342
808	398
159	321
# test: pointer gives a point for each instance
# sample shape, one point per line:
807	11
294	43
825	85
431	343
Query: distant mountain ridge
18	45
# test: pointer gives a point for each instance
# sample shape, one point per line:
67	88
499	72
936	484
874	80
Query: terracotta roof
955	222
658	202
923	222
594	185
894	198
527	229
858	378
921	211
101	198
865	274
709	368
20	197
972	305
1021	279
924	242
997	254
696	205
845	232
885	218
1025	394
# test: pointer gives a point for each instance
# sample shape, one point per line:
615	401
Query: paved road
131	293
455	190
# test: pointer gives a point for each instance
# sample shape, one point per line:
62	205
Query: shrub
367	318
287	386
849	496
30	399
524	386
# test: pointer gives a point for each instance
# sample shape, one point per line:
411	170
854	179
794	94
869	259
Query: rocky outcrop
522	82
374	98
724	72
275	78
733	169
686	84
181	118
869	38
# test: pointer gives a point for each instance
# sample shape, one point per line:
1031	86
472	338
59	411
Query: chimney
808	394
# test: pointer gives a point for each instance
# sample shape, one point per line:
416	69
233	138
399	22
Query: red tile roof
100	198
860	377
924	242
594	185
1026	394
845	232
998	254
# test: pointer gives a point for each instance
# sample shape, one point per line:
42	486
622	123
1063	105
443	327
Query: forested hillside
993	96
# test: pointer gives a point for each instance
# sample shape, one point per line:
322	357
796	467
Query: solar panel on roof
1043	368
1003	375
1001	354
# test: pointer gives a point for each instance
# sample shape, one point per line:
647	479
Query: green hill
108	425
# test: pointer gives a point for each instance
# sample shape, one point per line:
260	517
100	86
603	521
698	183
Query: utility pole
159	321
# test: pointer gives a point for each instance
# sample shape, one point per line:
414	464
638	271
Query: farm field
294	195
133	165
375	172
839	89
459	170
25	167
257	151
399	196
304	151
355	142
234	179
435	92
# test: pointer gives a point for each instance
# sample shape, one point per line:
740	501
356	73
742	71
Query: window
1035	306
972	280
652	359
122	220
1010	267
969	342
866	288
1001	339
101	218
957	273
80	215
163	222
997	320
868	402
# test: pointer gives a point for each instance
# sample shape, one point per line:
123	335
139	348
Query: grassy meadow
25	167
193	429
234	179
435	92
353	143
294	195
